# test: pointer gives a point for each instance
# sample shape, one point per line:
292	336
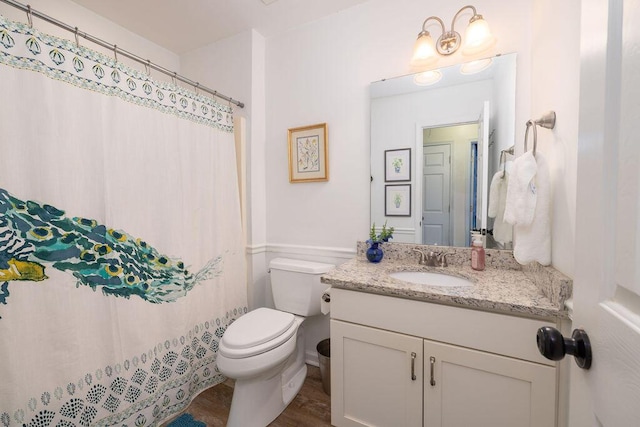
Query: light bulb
424	52
477	36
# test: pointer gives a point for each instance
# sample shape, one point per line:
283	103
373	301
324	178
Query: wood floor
310	408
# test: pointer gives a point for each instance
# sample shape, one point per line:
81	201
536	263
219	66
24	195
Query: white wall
556	78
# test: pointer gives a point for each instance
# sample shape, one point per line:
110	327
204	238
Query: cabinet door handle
432	360
413	366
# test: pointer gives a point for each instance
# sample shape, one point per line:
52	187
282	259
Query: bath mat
186	420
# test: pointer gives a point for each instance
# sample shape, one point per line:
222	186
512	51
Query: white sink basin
430	279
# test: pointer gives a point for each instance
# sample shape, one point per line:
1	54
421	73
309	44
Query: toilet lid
257	331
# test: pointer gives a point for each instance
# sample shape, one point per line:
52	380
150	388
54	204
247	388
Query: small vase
374	253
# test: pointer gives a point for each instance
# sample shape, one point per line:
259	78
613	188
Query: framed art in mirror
308	154
397	165
397	200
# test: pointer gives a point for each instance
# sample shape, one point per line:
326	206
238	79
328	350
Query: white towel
502	231
533	241
521	192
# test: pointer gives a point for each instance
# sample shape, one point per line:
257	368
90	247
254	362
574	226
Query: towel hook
547	121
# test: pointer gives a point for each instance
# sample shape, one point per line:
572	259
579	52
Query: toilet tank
295	285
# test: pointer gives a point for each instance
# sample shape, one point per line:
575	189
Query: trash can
324	357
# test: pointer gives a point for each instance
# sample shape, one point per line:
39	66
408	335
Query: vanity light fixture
477	38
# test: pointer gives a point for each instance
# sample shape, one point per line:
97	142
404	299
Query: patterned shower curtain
121	251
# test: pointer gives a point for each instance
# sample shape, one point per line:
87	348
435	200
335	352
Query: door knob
554	346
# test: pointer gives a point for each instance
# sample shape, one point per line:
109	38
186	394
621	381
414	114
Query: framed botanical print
308	154
397	165
397	200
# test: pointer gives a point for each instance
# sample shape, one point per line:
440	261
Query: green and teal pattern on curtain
33	234
24	47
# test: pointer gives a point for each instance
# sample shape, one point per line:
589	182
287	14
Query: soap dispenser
477	254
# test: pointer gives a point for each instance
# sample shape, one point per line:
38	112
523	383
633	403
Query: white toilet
264	349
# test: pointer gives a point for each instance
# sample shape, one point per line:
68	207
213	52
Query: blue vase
374	253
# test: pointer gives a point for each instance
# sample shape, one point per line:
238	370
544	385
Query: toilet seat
257	332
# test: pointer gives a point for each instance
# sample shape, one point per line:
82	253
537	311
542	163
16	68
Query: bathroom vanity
405	354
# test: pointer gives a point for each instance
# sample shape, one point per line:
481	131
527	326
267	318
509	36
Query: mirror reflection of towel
502	231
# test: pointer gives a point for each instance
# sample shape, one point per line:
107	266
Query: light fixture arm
435	18
453	21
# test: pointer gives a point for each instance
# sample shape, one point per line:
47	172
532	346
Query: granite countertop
538	291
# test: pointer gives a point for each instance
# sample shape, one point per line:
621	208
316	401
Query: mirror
435	148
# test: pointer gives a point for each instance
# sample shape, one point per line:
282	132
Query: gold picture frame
308	154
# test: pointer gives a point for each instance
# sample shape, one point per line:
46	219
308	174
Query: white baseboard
312	358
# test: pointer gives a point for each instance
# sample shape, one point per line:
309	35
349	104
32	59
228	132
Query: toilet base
257	401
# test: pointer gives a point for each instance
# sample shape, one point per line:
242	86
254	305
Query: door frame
473	168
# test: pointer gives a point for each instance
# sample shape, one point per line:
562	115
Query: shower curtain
121	251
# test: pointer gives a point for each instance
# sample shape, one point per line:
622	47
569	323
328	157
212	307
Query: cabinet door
473	388
376	377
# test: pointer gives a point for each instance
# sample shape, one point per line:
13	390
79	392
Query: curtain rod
117	50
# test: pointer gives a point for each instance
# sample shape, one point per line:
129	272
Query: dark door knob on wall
554	346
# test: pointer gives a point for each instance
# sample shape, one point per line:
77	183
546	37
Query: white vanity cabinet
400	362
378	379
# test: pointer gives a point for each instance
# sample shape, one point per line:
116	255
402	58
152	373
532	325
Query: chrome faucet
428	259
432	259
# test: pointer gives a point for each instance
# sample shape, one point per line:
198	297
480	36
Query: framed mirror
454	129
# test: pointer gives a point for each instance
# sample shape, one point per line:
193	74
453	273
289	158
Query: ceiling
184	25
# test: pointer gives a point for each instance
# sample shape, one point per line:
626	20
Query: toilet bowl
264	349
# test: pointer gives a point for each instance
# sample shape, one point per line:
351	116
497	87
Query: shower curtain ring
174	79
76	35
29	16
147	67
196	87
115	53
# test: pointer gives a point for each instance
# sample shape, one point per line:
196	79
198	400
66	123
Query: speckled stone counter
504	286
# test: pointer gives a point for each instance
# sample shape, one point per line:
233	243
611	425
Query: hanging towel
502	231
533	241
521	191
